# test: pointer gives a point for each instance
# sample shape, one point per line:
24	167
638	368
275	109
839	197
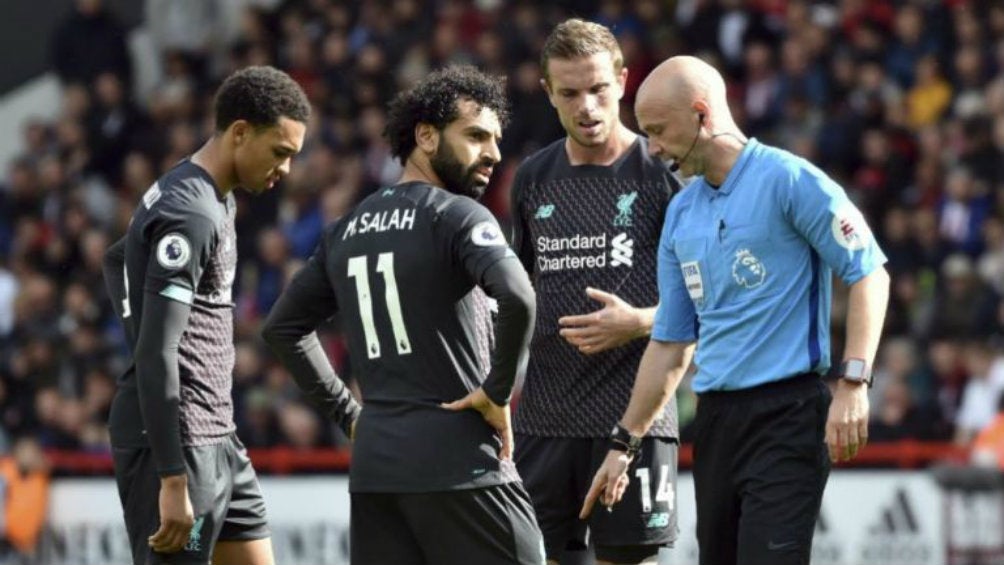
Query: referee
746	261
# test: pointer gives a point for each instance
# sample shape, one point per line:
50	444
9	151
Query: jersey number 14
385	266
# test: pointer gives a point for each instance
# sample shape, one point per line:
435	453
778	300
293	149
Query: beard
457	178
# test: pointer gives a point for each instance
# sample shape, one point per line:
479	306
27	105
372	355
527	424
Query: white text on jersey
378	222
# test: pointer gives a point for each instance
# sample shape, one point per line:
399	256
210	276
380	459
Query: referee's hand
176	515
611	481
847	423
497	416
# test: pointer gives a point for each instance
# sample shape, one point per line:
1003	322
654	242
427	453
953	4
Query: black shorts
557	473
760	467
488	526
225	496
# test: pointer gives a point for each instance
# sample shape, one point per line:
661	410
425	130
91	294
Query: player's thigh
379	533
139	490
489	526
556	473
645	519
249	552
245	519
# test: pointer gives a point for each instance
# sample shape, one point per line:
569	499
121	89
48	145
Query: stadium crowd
902	102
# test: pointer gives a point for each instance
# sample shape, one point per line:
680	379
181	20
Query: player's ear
546	85
427	137
240	131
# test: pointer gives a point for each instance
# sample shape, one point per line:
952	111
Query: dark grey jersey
402	272
181	245
576	227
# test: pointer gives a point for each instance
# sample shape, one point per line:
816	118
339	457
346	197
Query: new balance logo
544	212
898	518
622	252
658	520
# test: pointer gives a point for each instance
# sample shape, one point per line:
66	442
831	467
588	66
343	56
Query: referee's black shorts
760	467
487	526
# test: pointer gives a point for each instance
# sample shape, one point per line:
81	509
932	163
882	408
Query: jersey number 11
385	266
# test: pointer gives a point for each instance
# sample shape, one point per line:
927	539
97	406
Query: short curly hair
434	101
260	95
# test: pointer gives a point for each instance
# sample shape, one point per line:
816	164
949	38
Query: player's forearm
306	361
507	283
659	374
157	379
866	309
113	269
294	341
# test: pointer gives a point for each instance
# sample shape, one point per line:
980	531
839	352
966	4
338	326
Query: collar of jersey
732	179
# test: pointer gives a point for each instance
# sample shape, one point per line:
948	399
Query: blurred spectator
991	262
963	209
25	487
979	399
898	416
186	28
965	307
113	125
988	448
273	251
929	93
88	42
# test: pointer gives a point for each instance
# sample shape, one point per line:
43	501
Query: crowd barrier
907	454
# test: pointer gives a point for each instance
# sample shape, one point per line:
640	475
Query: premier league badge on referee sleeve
173	251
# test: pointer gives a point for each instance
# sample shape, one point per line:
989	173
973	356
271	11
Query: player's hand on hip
847	424
497	416
176	515
613	325
609	484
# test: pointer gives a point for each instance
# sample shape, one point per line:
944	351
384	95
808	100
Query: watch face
614	432
854	369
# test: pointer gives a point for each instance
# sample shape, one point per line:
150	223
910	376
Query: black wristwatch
856	371
622	440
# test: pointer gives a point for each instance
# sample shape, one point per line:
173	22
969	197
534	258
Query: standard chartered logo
584	252
623	250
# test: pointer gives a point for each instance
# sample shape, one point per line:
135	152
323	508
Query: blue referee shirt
749	265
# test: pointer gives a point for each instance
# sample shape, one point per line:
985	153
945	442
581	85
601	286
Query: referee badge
695	283
173	251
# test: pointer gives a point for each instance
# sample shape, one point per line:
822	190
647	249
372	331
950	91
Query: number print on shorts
663	492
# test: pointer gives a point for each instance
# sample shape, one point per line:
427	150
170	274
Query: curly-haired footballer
409	272
188	490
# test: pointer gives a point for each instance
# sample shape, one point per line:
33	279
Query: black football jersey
403	270
181	244
586	226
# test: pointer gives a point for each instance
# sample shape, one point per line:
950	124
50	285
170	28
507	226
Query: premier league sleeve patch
487	234
173	251
849	228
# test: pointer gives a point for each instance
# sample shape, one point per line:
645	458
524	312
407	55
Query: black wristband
622	440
